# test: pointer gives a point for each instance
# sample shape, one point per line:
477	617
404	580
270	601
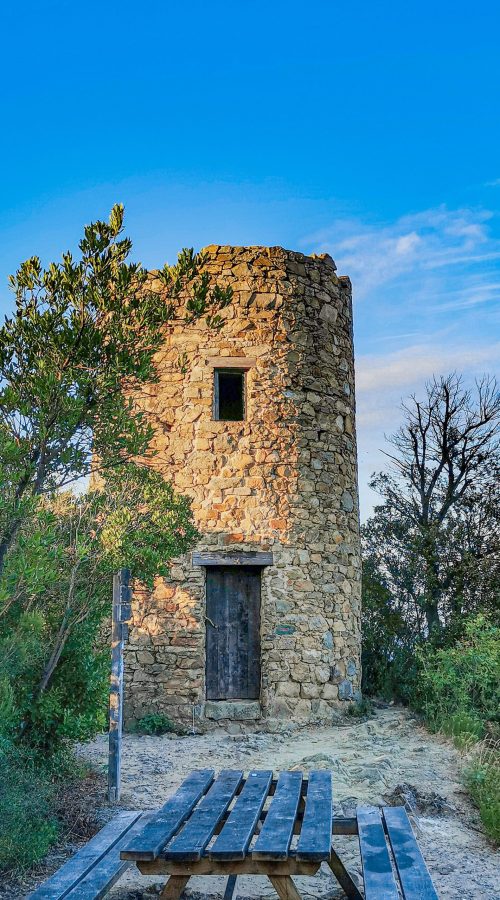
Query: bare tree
445	455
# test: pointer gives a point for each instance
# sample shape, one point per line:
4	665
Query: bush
459	687
463	727
482	778
389	663
459	695
155	723
27	824
360	708
456	688
73	707
55	594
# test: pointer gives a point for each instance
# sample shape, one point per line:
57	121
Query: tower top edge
275	252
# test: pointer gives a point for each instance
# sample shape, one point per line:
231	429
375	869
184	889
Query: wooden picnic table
257	825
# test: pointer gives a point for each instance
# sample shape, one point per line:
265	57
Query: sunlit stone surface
282	481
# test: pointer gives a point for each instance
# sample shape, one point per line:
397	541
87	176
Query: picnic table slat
377	870
191	841
102	877
149	843
75	869
414	876
275	837
234	839
315	838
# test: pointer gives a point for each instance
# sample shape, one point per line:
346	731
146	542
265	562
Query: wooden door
233	633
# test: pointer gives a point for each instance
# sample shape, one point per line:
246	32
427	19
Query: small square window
229	395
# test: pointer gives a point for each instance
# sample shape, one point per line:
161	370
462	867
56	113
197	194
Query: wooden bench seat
378	873
91	872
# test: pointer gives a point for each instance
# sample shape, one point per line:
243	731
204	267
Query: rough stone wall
284	480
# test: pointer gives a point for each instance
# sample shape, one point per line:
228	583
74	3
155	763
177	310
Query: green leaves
222	297
146	523
56	591
80	344
197	304
116	219
459	687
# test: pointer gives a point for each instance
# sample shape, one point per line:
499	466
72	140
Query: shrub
27	824
459	687
482	778
463	727
459	695
389	639
55	594
360	708
74	708
154	723
74	705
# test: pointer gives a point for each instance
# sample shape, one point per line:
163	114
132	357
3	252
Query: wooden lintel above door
231	362
232	558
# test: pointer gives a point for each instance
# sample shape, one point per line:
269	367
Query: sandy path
369	760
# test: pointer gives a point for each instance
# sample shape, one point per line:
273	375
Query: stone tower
261	623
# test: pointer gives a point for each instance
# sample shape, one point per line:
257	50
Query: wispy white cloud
472	295
414	365
412	246
427	303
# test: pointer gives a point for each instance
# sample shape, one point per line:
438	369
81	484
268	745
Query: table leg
174	887
230	886
343	877
284	887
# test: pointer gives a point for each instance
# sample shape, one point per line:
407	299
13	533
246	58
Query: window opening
229	395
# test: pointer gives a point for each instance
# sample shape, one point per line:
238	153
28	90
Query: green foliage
31	807
146	523
360	708
459	695
389	639
463	727
73	357
482	778
454	680
154	723
431	572
459	687
430	564
55	595
27	824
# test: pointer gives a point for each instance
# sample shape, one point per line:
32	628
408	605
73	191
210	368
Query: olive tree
80	343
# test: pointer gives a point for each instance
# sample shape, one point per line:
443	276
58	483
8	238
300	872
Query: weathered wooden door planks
233	633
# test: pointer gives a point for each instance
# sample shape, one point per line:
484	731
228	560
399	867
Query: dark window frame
216	401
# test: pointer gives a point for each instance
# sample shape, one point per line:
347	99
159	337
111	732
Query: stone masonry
281	482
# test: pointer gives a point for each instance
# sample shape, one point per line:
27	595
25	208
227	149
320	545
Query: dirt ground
387	759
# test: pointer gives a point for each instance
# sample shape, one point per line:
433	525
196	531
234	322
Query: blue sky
370	130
